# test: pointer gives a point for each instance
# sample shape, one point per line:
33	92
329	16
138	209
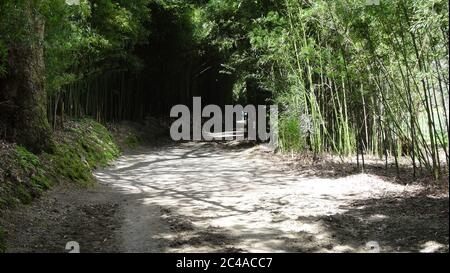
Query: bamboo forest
106	106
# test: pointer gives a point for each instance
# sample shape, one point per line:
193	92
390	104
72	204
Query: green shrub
23	176
31	164
132	141
291	138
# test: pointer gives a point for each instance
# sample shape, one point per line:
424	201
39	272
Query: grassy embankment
81	146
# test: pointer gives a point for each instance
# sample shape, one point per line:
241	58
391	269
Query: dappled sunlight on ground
232	199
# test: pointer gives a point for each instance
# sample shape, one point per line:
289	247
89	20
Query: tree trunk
25	112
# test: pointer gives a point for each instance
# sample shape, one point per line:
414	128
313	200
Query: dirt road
199	197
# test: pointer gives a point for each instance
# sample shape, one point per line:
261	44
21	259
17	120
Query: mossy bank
82	145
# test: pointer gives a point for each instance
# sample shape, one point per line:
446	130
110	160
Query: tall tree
22	92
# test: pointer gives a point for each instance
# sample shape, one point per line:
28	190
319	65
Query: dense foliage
350	77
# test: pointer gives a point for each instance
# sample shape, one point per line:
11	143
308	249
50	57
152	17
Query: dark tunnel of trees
172	68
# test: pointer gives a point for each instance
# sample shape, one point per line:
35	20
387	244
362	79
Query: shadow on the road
410	224
212	184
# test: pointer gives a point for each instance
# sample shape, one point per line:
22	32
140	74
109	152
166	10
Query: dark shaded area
72	214
175	67
423	219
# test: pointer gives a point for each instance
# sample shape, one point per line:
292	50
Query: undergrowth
82	146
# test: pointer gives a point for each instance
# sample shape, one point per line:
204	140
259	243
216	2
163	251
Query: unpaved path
199	197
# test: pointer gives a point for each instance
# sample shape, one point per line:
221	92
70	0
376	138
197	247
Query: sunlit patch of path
251	199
